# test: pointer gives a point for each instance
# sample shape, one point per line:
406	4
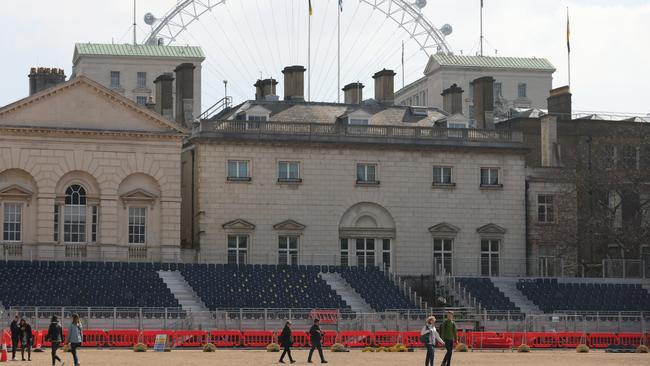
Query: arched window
74	215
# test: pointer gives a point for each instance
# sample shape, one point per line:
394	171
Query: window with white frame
288	250
457	125
137	225
12	222
238	170
490	257
365	252
256	118
56	223
442	175
115	79
345	252
386	253
498	89
237	249
442	253
490	177
141	100
545	208
74	215
367	173
288	171
521	90
141	79
358	121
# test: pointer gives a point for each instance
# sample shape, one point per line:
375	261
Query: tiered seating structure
375	288
490	297
550	296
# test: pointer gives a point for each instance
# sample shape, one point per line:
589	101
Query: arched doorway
366	236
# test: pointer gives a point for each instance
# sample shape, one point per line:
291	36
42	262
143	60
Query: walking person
316	336
429	335
449	335
286	341
26	339
75	337
15	336
55	337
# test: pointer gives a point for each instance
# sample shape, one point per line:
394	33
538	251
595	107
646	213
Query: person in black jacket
286	342
26	339
315	335
55	336
15	337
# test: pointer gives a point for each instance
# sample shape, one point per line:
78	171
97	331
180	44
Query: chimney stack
452	99
41	78
559	102
164	95
550	150
294	83
353	93
264	88
384	87
185	93
484	102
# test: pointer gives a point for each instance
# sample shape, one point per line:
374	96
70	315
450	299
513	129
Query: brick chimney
264	88
185	93
484	102
164	95
294	83
559	102
353	93
384	86
41	78
452	99
550	150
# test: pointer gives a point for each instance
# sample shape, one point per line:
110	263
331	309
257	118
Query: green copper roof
521	63
99	49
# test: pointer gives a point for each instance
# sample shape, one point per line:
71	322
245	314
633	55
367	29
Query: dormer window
256	118
257	113
358	121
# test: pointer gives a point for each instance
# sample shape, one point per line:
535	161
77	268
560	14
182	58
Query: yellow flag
311	11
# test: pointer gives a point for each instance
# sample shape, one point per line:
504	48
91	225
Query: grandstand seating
549	296
490	297
374	288
82	284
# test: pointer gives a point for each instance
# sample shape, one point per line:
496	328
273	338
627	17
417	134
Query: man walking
449	335
15	337
286	341
316	335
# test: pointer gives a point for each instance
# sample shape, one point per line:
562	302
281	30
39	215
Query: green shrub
382	349
209	347
337	347
273	347
140	347
523	348
398	347
642	349
582	348
368	349
461	347
66	347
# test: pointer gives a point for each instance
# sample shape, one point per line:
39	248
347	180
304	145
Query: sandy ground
91	357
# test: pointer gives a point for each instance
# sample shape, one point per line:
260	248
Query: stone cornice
58	132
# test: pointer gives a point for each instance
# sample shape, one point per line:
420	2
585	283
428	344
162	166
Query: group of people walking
21	332
315	336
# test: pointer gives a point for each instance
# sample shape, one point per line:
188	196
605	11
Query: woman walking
429	335
286	342
75	337
55	336
26	339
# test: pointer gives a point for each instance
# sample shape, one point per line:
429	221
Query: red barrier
601	340
94	338
517	338
630	339
475	339
149	337
541	340
37	340
258	338
300	338
387	338
226	338
411	339
189	338
328	339
570	340
48	343
356	338
122	338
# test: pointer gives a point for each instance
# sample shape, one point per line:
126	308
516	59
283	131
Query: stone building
86	173
292	182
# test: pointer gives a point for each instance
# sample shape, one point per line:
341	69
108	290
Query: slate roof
490	62
99	49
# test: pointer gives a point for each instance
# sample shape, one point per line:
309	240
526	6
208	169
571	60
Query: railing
312	130
220	105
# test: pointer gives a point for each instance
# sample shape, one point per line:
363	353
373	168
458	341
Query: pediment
289	225
432	65
491	229
138	195
84	104
238	224
444	228
258	110
15	191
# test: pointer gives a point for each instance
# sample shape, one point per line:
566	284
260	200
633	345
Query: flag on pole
481	3
311	11
341	5
568	32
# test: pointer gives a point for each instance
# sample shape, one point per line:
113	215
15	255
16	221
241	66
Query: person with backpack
55	336
429	335
449	335
286	342
75	337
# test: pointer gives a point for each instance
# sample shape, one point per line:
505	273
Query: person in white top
429	336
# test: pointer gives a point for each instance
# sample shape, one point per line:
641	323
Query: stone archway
367	236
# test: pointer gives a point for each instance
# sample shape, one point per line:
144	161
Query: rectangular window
545	208
141	100
13	222
498	89
56	223
490	177
288	171
609	156
629	157
288	250
115	79
74	224
358	121
238	170
644	210
442	175
385	252
137	225
94	224
237	249
365	252
521	90
367	173
142	80
442	254
256	118
490	257
345	253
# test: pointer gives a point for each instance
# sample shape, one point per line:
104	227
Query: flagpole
568	46
309	56
481	27
338	77
402	64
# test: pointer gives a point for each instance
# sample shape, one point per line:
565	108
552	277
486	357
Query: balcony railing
318	131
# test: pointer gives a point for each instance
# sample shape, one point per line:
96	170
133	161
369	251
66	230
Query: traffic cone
3	358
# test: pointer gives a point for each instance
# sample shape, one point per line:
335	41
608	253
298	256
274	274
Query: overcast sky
610	42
